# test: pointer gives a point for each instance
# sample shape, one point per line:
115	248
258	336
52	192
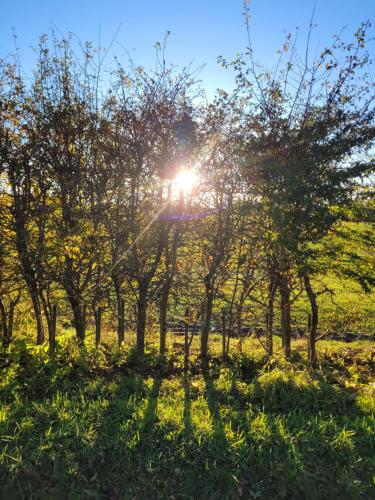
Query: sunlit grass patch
248	425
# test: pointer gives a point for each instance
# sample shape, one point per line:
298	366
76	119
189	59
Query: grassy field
95	424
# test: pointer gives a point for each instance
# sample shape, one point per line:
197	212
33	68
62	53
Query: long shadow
188	427
301	448
296	436
221	459
212	397
281	397
110	439
150	416
126	445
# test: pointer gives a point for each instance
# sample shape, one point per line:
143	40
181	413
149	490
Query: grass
94	424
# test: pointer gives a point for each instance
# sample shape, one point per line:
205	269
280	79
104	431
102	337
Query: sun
185	180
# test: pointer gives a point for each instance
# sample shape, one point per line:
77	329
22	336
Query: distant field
96	425
348	308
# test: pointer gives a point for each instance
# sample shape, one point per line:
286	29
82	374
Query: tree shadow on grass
121	462
318	397
150	416
188	426
271	438
221	462
212	398
310	441
67	442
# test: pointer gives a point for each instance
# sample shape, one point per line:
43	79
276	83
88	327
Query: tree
148	112
305	125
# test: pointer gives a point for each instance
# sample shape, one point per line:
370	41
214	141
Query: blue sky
200	30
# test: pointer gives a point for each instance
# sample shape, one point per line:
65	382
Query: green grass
97	425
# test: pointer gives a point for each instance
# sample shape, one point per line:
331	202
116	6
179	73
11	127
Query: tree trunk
120	304
269	316
98	325
313	323
7	318
186	338
52	329
207	323
285	315
4	324
171	263
38	316
29	274
224	326
79	314
163	321
71	280
141	319
12	306
121	322
50	312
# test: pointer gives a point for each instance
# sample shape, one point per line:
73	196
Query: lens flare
185	180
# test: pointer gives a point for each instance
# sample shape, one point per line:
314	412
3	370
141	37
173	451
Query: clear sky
200	29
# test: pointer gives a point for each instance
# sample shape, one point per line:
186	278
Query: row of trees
91	213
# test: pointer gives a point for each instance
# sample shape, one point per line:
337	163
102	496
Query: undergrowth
95	423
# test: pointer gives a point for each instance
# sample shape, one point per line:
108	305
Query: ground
96	424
